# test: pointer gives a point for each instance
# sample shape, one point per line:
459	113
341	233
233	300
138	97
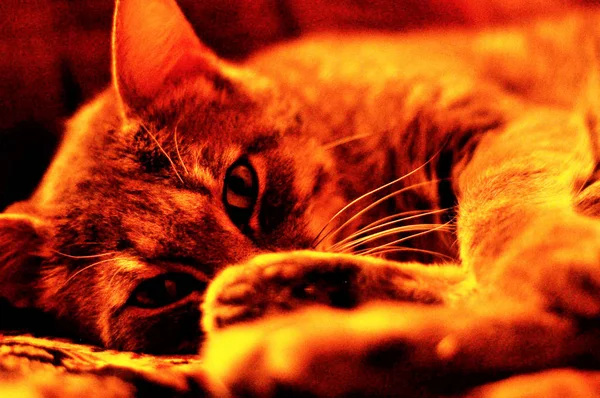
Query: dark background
54	54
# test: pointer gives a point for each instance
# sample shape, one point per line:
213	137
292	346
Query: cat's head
185	165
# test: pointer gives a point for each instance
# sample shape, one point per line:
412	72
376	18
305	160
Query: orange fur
485	140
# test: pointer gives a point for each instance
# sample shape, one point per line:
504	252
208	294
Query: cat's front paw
277	283
559	264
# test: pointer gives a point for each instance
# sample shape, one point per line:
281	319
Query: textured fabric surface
34	367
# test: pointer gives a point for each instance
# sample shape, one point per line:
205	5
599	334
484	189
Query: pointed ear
21	246
153	45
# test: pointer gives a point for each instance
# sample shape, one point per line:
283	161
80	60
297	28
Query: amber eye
240	191
164	290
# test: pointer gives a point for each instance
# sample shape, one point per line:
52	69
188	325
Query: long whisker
372	205
395	242
164	153
385	222
82	244
388	232
388	220
454	244
83	257
395	218
372	192
394	249
179	153
88	267
345	140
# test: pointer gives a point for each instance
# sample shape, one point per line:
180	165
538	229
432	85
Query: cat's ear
153	45
21	245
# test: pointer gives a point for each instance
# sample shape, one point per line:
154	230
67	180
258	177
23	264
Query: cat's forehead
213	133
224	117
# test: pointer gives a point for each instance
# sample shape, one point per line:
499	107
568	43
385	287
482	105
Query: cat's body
189	165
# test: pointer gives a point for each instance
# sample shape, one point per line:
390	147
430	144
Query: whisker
385	221
85	243
372	205
388	232
88	267
394	249
164	153
454	244
439	228
411	214
179	153
83	257
372	192
345	140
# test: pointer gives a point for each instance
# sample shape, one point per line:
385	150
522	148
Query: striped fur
490	135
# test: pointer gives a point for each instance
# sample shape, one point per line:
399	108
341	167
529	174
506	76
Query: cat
193	196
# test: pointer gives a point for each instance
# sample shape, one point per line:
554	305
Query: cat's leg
518	226
276	283
556	383
393	350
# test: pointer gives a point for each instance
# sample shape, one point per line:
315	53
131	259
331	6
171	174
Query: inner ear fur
155	47
22	242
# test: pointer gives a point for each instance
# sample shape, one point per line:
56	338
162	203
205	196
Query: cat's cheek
23	246
173	329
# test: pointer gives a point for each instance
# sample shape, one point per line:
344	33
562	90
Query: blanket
384	349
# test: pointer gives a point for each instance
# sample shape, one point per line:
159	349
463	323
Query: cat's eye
164	290
240	191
